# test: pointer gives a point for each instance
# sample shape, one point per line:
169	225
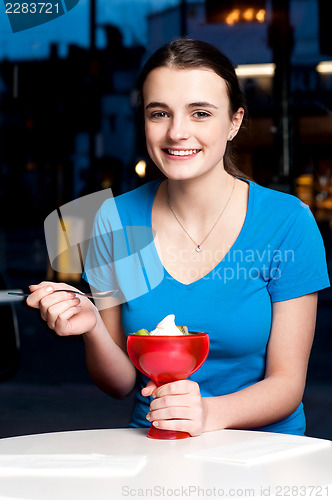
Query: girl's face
187	121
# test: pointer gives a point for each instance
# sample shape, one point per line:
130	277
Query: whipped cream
167	327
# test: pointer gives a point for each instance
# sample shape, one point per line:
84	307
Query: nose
178	129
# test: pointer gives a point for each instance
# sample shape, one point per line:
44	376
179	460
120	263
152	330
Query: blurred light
248	15
140	168
305	180
251	70
324	67
260	16
106	183
31	166
233	17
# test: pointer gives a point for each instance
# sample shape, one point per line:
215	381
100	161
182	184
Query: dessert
166	327
166	355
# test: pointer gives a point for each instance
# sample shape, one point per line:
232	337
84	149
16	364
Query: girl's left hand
177	406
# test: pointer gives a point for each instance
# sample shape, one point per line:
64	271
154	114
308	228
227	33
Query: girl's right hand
64	312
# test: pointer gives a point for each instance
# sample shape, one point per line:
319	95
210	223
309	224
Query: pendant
198	249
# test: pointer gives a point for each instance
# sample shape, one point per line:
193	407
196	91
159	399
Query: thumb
148	390
33	288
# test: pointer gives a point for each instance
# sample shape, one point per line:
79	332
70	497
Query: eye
201	114
158	114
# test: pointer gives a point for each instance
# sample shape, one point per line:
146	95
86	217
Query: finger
175	400
148	390
178	387
61	310
169	413
49	286
63	325
34	299
191	410
35	287
52	299
77	321
182	425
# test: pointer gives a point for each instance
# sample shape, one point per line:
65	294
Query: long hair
186	53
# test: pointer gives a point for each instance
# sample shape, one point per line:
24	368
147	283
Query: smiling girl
259	312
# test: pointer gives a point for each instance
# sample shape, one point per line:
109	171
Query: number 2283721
32	8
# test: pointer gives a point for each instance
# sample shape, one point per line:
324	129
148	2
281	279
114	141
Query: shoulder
137	198
132	208
275	198
143	193
279	206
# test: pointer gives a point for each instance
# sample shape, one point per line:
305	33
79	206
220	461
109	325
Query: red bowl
168	358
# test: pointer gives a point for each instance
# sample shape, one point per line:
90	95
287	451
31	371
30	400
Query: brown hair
186	53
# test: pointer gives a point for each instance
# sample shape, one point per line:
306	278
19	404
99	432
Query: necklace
198	248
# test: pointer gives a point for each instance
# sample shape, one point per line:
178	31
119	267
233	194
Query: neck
199	199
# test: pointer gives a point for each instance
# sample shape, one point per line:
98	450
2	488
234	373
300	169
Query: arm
105	346
106	354
270	400
281	391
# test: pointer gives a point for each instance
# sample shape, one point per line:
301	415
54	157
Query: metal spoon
96	295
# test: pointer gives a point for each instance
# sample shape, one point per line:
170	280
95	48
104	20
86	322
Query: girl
241	262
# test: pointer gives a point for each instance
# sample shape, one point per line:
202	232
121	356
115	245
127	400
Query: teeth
182	152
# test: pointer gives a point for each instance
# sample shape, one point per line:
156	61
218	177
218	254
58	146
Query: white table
168	472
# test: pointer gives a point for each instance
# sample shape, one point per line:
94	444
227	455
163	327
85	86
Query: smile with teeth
182	152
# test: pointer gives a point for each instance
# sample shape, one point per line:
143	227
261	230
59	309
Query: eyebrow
200	104
156	104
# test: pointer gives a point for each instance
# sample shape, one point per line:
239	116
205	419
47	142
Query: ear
236	123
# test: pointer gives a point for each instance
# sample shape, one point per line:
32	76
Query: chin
180	173
180	177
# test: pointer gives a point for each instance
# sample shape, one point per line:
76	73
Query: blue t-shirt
278	255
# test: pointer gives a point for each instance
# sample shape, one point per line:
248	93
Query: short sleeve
99	261
121	257
299	264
